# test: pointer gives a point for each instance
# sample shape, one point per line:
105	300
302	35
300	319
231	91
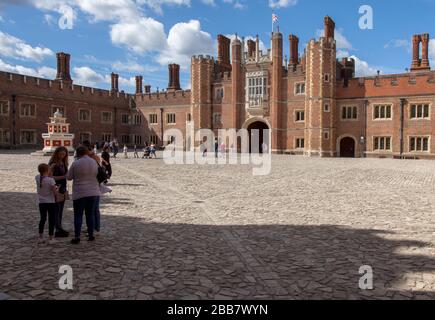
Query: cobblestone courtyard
218	232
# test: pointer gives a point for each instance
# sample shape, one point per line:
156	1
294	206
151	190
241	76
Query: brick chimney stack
251	48
147	89
174	77
63	66
224	52
420	63
115	78
139	84
425	51
329	27
294	50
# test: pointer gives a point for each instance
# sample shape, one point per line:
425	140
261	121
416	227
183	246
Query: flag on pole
274	18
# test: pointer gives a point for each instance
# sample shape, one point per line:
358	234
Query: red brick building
26	103
313	104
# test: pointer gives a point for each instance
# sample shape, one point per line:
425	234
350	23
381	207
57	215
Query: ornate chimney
63	66
251	48
115	78
139	84
174	77
224	53
420	63
329	27
294	50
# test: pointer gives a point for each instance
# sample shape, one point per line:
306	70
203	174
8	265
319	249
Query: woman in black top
59	167
106	161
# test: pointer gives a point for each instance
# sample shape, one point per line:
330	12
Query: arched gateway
347	147
259	125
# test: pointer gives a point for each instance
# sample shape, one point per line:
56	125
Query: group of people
149	150
89	174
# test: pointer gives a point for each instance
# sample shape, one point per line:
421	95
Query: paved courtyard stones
217	232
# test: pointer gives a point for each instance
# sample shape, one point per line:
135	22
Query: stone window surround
2	130
411	103
383	150
28	130
90	115
111	117
24	116
122	119
419	151
299	142
374	105
296	88
349	106
168	115
157	119
8	108
296	115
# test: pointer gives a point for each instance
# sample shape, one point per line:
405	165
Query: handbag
102	174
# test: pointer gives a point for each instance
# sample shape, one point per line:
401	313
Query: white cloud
209	2
363	69
398	43
156	5
13	47
86	76
89	77
237	4
282	3
42	72
342	42
49	19
140	36
132	66
186	39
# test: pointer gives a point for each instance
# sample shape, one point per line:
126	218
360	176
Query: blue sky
133	37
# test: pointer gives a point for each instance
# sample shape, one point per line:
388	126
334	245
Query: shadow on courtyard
138	259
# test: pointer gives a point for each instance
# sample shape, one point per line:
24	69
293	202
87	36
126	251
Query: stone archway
347	147
260	126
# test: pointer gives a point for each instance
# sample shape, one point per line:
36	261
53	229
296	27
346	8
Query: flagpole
272	21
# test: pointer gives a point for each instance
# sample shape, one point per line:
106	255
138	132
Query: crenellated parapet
388	85
22	84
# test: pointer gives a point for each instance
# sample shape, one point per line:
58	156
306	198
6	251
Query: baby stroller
146	153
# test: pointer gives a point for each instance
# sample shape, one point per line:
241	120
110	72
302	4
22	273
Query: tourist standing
222	148
125	151
115	148
86	190
216	147
136	155
152	151
46	189
105	162
59	168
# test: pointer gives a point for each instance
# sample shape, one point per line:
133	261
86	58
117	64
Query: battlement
388	85
166	96
28	83
202	58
